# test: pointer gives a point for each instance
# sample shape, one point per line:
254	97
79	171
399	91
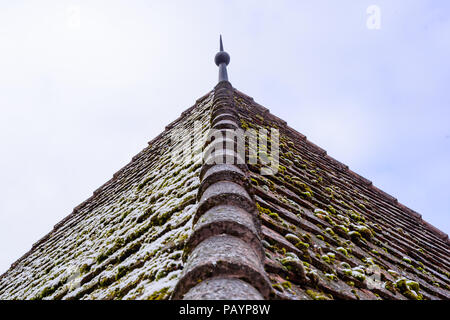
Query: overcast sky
85	84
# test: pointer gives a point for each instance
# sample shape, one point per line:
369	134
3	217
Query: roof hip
224	254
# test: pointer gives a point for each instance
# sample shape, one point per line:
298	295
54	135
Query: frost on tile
126	241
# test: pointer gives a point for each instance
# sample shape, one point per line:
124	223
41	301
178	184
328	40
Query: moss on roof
126	241
344	230
327	232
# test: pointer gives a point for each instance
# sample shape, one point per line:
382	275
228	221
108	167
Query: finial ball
222	57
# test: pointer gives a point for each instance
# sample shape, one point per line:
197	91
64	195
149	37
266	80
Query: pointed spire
222	59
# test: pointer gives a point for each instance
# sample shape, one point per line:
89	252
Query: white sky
85	84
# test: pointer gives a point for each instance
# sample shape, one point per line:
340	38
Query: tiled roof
331	234
210	229
126	241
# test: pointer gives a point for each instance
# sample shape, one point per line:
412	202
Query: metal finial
222	59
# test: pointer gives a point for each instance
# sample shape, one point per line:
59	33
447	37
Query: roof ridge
224	254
